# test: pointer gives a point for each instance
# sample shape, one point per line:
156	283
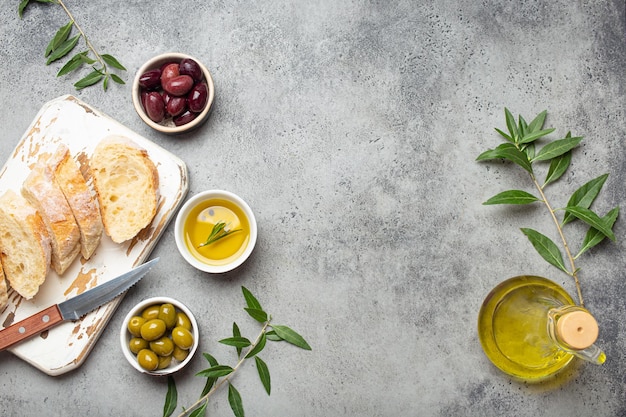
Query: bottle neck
575	331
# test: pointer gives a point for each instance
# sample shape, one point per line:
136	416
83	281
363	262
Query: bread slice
4	295
42	191
24	243
80	198
126	183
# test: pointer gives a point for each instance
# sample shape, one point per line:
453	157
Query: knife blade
73	308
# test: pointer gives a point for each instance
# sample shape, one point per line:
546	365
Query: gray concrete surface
352	128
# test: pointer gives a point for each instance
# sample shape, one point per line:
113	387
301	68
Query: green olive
153	329
134	325
136	344
183	321
182	337
164	361
162	346
151	312
167	313
147	359
180	354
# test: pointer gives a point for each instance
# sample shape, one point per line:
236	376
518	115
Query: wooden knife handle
30	326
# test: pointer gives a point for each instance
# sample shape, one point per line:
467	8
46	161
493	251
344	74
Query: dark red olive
190	67
168	72
176	105
154	106
197	97
150	79
185	118
178	86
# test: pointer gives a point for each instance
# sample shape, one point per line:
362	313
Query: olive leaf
251	300
237	333
289	335
538	122
512	197
510	124
89	80
258	347
271	335
584	196
546	248
264	374
199	412
533	136
63	49
210	381
110	60
557	148
61	36
74	63
592	219
594	236
258	315
234	399
558	166
509	152
171	397
216	371
239	342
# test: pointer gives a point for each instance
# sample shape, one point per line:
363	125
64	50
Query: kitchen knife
73	308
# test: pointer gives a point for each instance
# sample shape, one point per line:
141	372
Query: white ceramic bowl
125	335
179	232
167	125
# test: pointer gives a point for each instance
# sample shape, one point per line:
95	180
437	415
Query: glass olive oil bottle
530	328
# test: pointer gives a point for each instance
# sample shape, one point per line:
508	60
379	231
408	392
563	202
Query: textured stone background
352	128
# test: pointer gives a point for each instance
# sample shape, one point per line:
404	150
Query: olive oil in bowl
215	231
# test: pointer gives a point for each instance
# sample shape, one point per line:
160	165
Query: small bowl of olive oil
215	231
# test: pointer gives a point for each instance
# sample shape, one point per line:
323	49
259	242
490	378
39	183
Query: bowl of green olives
173	93
159	336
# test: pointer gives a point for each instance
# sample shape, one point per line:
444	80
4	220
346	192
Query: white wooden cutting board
79	126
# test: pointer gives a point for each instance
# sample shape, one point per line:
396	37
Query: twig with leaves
62	44
520	148
217	375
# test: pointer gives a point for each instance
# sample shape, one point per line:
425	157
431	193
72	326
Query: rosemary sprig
62	44
520	148
218	232
218	375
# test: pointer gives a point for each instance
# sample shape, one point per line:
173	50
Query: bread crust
81	199
25	245
4	295
42	191
126	183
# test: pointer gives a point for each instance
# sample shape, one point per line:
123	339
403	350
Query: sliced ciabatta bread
80	198
4	295
42	191
126	183
24	245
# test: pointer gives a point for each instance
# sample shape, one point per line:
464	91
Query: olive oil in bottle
513	327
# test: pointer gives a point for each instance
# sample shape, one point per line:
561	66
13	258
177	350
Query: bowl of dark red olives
173	93
159	336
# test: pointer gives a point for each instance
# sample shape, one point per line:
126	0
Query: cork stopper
578	329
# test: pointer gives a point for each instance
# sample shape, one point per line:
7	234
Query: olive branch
520	148
218	375
62	44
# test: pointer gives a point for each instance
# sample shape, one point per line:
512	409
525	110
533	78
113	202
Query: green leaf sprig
519	147
62	44
218	375
218	232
